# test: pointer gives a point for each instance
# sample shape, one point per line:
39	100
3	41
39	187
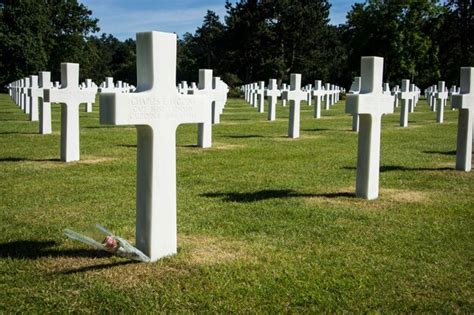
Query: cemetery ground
265	223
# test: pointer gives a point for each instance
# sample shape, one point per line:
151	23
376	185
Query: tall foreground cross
156	109
370	104
70	96
464	101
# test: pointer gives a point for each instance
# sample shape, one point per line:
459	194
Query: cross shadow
27	249
316	129
18	133
244	136
99	127
127	145
389	168
441	152
187	146
19	159
271	194
97	267
235	119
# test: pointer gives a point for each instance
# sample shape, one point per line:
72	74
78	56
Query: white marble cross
156	109
261	96
220	90
44	82
284	88
33	93
205	89
295	95
441	99
319	93
107	85
412	104
309	95
70	96
272	94
407	96
327	103
395	93
464	101
370	104
26	99
92	87
355	89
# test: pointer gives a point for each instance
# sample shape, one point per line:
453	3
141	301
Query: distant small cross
295	95
272	94
33	93
44	82
69	96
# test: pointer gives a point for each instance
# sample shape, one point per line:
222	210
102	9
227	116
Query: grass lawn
265	223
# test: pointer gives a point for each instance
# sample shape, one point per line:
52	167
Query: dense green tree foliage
422	40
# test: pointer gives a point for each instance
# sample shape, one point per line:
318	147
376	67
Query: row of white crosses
184	88
36	93
371	103
109	86
27	93
157	109
409	94
255	93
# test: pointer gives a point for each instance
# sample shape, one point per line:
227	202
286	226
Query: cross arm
369	104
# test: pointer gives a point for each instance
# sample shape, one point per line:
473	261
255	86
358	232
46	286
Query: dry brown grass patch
193	250
52	163
216	146
206	250
387	197
303	136
404	196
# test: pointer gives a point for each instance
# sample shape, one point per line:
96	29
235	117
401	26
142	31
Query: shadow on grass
389	168
27	249
127	145
453	152
96	267
101	127
272	194
18	133
18	159
244	136
316	129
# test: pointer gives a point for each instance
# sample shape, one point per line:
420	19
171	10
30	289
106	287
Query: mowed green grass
265	223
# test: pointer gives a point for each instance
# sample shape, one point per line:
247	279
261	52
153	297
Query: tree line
422	40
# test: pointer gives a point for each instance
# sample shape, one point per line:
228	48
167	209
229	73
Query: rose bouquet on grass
111	243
